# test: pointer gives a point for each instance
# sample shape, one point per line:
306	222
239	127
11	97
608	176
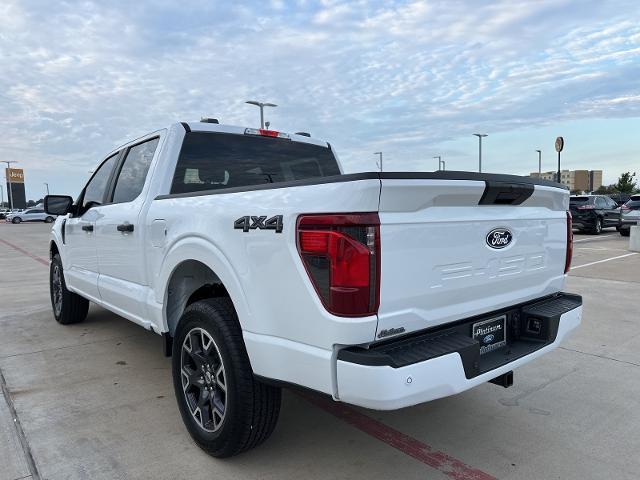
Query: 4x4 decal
254	223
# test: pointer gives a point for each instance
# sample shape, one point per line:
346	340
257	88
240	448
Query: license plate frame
491	333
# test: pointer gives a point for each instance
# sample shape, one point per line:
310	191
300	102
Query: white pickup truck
263	265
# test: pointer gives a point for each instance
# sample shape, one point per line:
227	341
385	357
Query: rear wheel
597	229
16	220
625	232
68	307
48	220
225	409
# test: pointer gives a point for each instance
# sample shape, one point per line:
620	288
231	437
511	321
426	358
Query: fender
204	251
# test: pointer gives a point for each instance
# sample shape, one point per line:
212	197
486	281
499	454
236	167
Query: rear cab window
214	161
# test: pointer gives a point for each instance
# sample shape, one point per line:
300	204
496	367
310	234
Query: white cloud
79	77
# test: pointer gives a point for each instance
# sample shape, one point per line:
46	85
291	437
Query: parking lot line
601	237
24	252
444	463
605	260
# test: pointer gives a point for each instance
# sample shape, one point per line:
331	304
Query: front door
80	262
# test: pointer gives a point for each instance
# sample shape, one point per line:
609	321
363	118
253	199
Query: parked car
3	213
592	213
30	215
262	264
629	215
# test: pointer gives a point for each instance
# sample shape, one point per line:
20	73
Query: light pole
441	163
539	163
9	180
261	105
47	185
480	135
379	165
1	197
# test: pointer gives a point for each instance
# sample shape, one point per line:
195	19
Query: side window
95	189
600	203
134	171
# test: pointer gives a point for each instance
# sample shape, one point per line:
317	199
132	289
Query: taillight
624	207
341	254
569	256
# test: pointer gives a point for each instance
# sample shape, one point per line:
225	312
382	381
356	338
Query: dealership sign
15	175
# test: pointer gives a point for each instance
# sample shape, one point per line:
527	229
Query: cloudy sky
413	79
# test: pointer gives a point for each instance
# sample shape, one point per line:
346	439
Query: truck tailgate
437	264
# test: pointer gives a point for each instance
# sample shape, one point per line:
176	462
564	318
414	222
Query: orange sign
15	175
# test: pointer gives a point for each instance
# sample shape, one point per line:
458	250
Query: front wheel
625	232
16	220
48	220
225	409
68	307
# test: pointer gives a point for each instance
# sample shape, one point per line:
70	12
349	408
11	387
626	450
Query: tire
16	220
48	220
72	307
249	408
597	228
625	232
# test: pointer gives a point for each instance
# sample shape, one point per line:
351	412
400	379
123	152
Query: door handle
87	228
125	227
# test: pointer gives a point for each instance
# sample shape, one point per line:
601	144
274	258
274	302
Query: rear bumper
627	224
433	365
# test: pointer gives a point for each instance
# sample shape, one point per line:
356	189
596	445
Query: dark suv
594	212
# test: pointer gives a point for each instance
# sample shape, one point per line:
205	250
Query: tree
626	183
606	189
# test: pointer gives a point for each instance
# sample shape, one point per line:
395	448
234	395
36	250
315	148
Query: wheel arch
53	249
194	270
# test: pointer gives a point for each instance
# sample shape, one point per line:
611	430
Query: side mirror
58	204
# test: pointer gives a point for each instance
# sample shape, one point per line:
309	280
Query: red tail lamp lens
341	254
569	256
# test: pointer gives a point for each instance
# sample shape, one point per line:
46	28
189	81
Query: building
583	180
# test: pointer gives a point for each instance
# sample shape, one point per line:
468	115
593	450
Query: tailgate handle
505	193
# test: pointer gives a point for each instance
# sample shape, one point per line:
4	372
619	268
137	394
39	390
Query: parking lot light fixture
379	162
261	105
480	136
441	163
9	162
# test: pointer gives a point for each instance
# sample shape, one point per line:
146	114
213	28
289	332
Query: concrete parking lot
95	400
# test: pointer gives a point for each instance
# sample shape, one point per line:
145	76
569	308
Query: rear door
120	236
453	249
80	262
612	213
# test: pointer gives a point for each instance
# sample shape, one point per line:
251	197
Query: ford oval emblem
489	338
499	238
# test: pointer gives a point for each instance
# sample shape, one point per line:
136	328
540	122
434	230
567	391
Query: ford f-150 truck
262	264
